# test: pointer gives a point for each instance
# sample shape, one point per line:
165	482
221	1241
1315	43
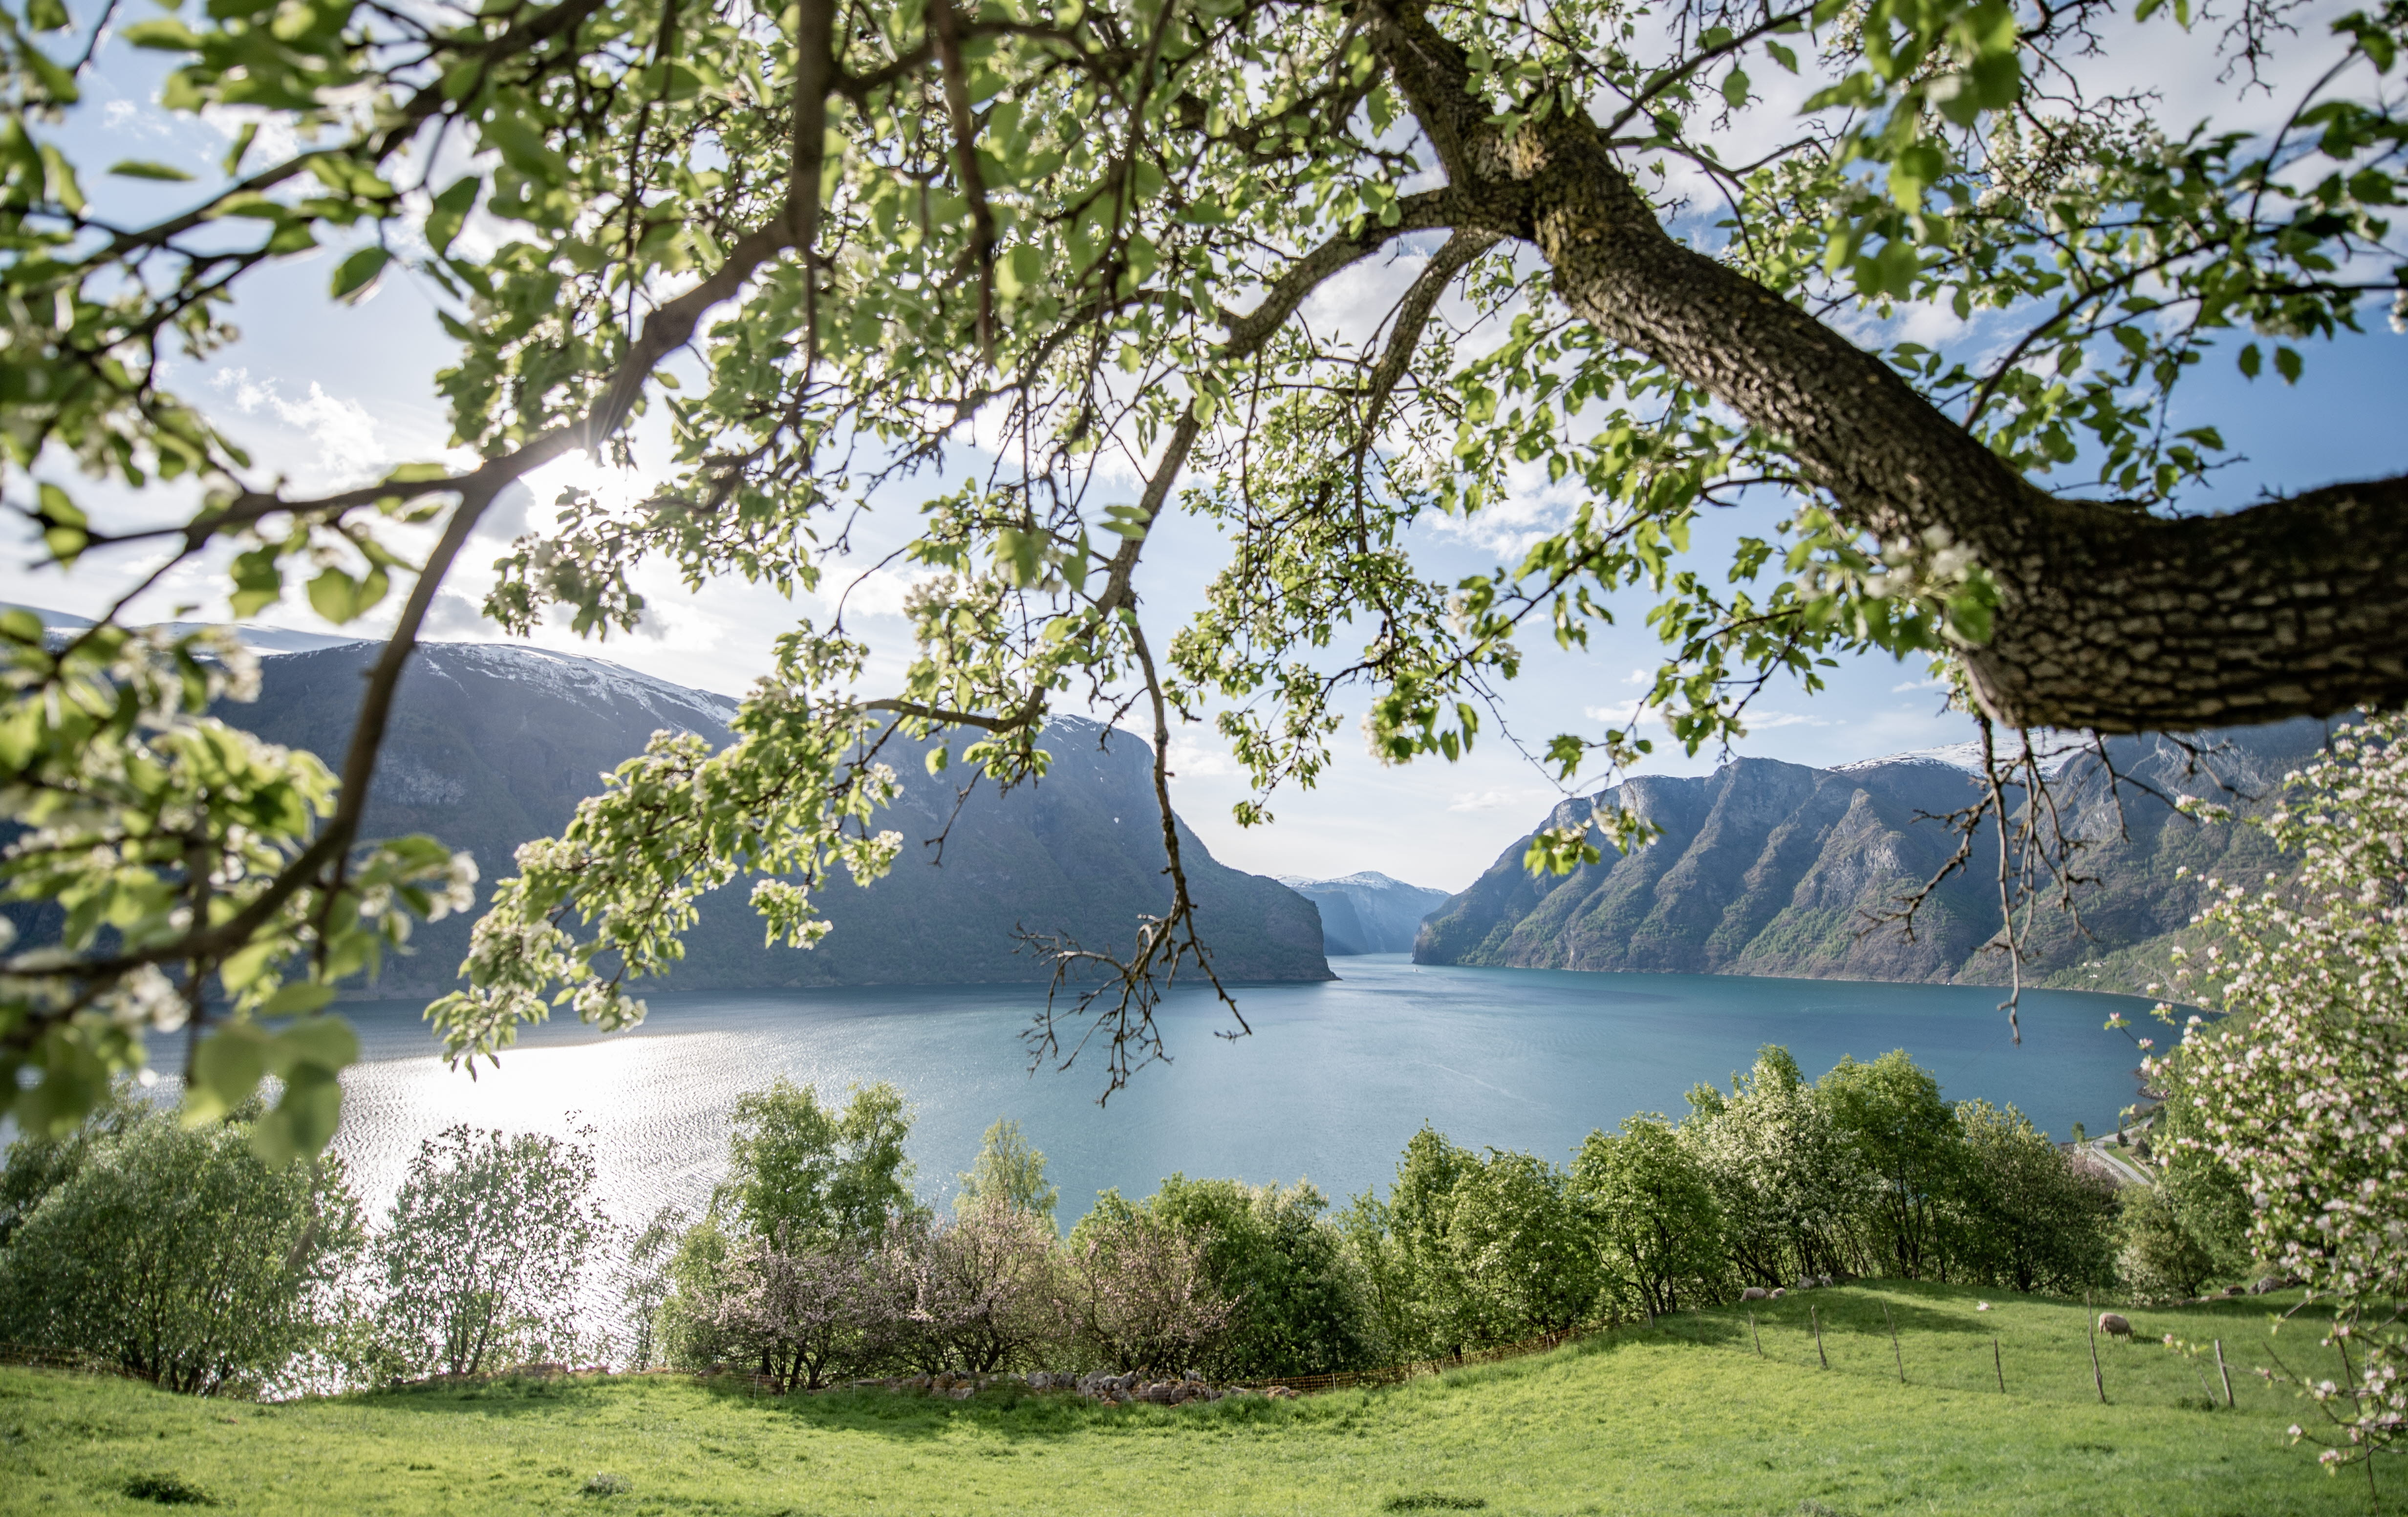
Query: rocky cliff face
1367	912
1772	869
491	745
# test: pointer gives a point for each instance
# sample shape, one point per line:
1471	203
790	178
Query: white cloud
1191	760
1623	714
1490	800
1933	683
881	592
344	432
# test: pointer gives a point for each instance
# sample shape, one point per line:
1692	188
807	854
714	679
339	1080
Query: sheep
1755	1293
2113	1324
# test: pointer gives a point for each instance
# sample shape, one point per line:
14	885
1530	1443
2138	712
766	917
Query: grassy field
1683	1418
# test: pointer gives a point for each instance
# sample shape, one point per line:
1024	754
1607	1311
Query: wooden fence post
1816	1323
2224	1374
1756	1336
1895	1351
1998	1364
2096	1379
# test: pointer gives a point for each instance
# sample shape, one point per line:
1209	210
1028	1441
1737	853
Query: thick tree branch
2107	618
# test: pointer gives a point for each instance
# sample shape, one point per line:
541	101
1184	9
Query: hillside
1367	912
1682	1419
491	745
1771	868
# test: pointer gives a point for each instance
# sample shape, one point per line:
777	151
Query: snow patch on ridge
1966	757
587	678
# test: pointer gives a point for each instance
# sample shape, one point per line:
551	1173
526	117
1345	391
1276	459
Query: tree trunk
2108	618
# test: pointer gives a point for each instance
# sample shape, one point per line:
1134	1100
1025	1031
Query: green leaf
304	1120
2287	363
326	1042
2252	361
227	1068
302	996
339	599
141	168
164	34
1735	88
355	277
1783	56
258	580
450	212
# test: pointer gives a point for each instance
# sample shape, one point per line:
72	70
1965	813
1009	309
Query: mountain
491	745
1367	912
259	639
1771	868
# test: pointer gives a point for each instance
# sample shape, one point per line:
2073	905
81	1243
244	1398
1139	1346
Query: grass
1683	1418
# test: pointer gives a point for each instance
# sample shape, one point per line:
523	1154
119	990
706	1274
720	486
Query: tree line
176	1252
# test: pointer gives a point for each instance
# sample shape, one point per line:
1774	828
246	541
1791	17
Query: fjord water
1332	1082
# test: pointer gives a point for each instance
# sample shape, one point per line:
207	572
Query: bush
2159	1256
1296	1295
176	1253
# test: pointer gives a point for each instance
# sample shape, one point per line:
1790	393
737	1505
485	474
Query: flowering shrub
2302	1086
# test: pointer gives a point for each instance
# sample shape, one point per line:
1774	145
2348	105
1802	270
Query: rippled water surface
1332	1082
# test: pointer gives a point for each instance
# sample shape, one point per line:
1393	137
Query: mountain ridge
1767	868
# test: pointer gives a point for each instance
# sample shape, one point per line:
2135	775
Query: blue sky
334	395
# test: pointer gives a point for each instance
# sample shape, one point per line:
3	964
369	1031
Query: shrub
2159	1257
1296	1295
175	1252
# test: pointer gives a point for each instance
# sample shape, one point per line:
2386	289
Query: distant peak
1364	879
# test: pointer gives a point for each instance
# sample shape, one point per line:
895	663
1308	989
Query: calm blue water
1333	1081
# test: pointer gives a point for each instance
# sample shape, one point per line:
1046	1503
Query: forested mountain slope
491	745
1771	868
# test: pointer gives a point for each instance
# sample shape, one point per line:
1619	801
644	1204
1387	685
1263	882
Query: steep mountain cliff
493	745
1367	912
1771	868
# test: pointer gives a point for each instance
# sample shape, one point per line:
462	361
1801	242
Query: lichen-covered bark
2109	619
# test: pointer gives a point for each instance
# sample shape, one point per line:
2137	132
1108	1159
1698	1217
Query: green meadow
1684	1417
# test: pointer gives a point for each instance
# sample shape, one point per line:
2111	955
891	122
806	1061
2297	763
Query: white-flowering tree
2302	1087
486	1250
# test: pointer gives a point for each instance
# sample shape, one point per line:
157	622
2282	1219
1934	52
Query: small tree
174	1252
1420	1298
1787	1180
1652	1210
1523	1250
811	1308
485	1251
815	1169
2028	1216
646	1277
1140	1295
1890	1111
1008	1168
